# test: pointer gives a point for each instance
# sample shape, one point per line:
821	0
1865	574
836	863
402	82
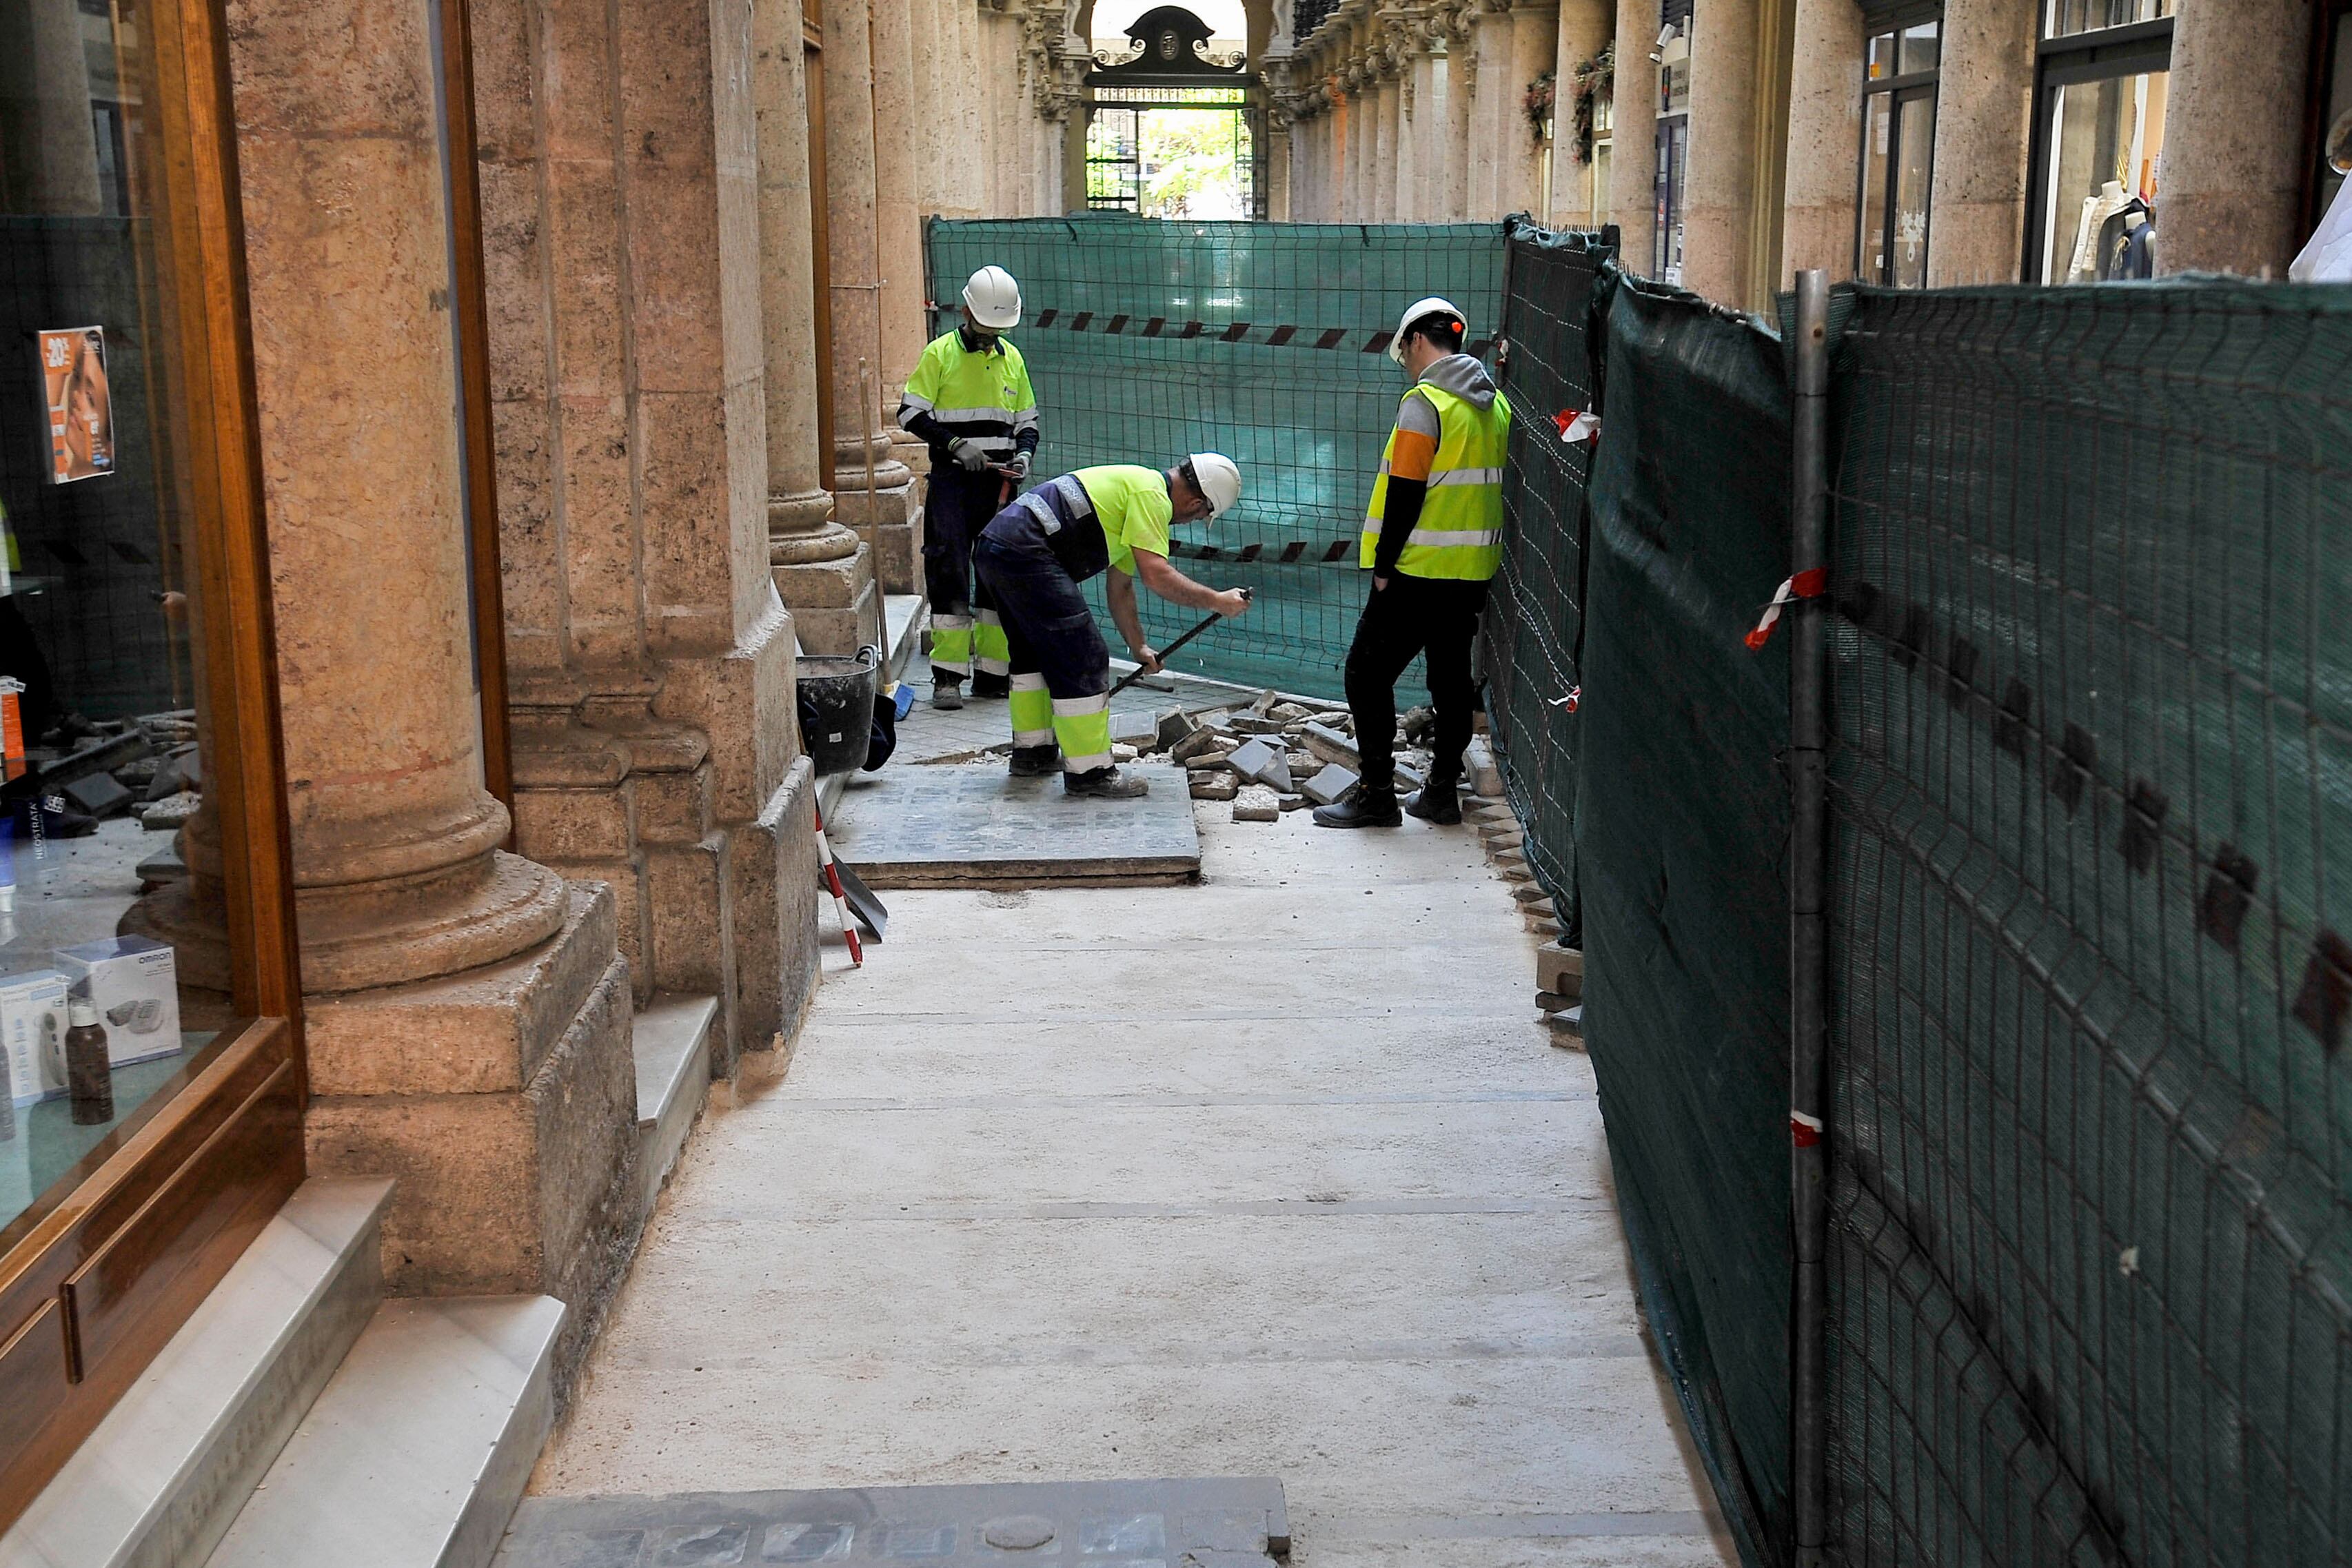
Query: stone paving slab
975	825
1217	1522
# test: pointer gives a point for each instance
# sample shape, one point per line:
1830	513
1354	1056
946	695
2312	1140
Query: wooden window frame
106	1266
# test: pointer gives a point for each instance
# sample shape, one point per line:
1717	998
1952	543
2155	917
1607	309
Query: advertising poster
81	409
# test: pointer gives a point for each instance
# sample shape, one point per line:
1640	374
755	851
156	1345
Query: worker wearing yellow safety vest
1032	557
971	401
1432	539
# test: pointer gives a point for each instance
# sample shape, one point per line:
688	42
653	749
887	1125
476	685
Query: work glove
1017	466
968	455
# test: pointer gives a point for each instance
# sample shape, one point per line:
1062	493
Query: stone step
903	617
671	1040
418	1449
159	1480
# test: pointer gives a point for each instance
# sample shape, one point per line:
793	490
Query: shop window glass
2335	116
1897	155
1604	141
2104	144
1673	145
103	736
2065	18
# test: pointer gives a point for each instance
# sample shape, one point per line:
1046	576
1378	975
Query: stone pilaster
1461	109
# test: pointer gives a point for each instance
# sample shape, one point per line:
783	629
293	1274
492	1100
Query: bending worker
1033	556
969	401
1432	539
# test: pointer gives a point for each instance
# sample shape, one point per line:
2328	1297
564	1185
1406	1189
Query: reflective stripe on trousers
951	645
990	648
1083	726
1031	710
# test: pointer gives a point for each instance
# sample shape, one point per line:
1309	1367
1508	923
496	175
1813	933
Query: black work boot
1105	784
1036	761
1362	808
1436	801
947	692
985	685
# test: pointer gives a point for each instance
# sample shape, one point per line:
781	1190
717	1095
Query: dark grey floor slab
975	825
1214	1523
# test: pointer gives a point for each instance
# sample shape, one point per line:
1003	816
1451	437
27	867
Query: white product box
33	1033
135	982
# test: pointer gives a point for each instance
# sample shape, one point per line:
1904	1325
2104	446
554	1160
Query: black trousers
1435	617
957	504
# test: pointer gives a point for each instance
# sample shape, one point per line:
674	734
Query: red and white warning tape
1809	584
1805	1131
1577	428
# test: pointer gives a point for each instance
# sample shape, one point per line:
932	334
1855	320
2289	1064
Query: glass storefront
2099	139
1673	100
1898	122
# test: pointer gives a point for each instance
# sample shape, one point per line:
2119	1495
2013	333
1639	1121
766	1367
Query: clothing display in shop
2328	258
2097	209
2128	244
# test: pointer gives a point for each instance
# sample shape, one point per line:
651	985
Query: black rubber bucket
837	704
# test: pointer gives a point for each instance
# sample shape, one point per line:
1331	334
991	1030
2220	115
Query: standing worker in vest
1033	556
969	399
1432	539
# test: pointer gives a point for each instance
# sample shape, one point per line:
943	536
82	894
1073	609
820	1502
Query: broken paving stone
1331	746
1289	712
1251	723
1330	784
98	795
1553	1002
1567	1028
1173	726
1295	802
1266	702
1302	763
1261	763
1219	785
1257	803
1122	752
1338	718
1419	725
1484	775
1201	739
170	814
1530	892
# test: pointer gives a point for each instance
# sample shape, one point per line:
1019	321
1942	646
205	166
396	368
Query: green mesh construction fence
2091	797
1148	339
2090	1291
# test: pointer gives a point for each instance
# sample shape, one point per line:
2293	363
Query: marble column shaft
1819	223
1534	46
1461	124
1389	156
1633	150
898	229
1496	140
1976	222
1583	32
1718	187
2233	151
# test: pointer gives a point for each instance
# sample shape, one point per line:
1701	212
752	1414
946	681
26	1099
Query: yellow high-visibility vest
1460	531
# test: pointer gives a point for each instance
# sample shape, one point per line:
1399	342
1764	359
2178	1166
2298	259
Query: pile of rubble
1559	970
1277	754
148	768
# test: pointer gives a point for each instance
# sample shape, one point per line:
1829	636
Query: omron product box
135	982
33	1033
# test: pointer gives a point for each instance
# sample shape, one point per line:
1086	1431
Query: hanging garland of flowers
1537	104
1593	78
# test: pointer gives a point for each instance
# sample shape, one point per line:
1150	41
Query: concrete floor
1276	1174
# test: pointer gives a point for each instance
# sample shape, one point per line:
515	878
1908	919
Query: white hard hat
1432	306
993	299
1219	479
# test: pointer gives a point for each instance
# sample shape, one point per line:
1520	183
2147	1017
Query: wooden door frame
108	1264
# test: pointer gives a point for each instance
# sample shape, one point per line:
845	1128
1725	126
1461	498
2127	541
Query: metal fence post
1808	927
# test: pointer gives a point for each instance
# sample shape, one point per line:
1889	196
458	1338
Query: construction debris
1331	746
1559	970
1330	784
1257	803
1204	738
1173	727
1213	784
1262	764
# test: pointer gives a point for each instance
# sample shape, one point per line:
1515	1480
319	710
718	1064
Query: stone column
822	570
1719	191
1389	160
1976	223
1461	116
897	113
853	232
1818	227
1584	31
2233	156
1415	146
62	170
1495	141
1634	154
468	1014
1535	49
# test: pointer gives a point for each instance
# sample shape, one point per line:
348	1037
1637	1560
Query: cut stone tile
1218	785
1559	969
1262	764
1331	746
1257	803
1294	802
1328	786
1200	740
1173	726
1531	893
